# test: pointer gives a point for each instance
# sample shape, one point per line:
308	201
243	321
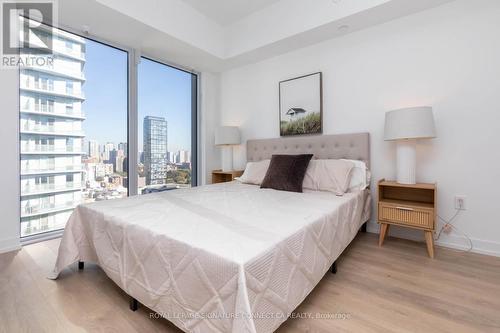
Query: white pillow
328	175
254	172
360	177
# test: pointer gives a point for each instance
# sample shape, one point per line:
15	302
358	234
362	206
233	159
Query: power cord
448	224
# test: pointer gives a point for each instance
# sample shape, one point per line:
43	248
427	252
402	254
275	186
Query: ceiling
225	12
175	32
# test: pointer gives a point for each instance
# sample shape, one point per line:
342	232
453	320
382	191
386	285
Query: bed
228	257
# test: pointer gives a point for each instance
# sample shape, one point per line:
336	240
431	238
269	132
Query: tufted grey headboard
350	146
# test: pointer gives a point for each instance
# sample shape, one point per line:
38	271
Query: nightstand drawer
406	215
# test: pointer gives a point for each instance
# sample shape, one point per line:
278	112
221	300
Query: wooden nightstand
219	176
412	206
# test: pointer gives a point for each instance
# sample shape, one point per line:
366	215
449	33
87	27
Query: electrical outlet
460	202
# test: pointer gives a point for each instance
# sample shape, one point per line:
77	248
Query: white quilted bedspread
215	258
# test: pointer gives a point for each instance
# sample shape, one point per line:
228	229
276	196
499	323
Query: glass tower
155	150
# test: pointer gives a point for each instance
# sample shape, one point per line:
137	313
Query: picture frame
301	105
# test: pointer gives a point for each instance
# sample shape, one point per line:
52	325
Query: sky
163	91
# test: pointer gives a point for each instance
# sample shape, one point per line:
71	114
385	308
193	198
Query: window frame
195	115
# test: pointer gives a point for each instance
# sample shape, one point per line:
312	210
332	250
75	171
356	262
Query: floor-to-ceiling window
73	130
76	124
166	127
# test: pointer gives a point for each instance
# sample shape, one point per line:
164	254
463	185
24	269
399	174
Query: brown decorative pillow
286	172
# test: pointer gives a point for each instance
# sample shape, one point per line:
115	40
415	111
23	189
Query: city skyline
98	147
163	91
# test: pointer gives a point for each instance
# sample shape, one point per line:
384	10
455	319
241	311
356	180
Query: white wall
9	167
447	57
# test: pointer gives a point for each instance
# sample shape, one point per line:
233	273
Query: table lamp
227	136
405	126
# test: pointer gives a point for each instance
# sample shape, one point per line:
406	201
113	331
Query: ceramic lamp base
406	160
227	158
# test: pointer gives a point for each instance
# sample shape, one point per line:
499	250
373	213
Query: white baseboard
9	244
478	245
451	241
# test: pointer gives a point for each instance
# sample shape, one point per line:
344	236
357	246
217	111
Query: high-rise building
155	150
119	163
93	149
108	147
113	154
171	156
123	147
125	164
51	140
183	156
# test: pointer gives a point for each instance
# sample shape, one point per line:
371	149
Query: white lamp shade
227	135
410	123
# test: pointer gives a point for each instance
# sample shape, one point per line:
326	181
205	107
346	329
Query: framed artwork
301	105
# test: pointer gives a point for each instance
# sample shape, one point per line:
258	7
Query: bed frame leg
133	304
334	267
81	265
363	227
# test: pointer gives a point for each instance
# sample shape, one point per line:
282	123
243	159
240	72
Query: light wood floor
396	288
